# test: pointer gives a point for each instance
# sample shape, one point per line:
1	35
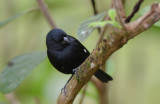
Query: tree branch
94	7
120	8
144	22
115	40
118	4
135	10
44	9
95	11
12	98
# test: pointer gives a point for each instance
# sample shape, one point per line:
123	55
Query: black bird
66	53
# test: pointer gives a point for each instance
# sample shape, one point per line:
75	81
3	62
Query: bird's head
57	39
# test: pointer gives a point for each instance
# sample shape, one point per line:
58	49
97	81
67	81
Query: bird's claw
64	90
75	71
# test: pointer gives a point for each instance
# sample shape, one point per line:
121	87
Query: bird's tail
102	76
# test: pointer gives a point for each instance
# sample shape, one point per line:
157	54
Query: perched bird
66	53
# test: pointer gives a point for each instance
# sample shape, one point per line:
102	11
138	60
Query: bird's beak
66	40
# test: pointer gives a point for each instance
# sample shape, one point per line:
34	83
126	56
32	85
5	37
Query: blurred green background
135	67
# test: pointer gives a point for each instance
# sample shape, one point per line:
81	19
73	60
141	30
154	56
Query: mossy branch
115	40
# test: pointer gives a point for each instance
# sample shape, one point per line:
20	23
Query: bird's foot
64	90
75	71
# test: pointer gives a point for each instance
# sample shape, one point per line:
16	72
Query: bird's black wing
79	47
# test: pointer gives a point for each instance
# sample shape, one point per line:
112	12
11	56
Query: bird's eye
60	40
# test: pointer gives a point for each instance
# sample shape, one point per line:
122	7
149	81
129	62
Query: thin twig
95	11
37	101
83	94
44	9
94	7
12	99
146	21
120	8
117	4
134	11
121	15
123	2
102	32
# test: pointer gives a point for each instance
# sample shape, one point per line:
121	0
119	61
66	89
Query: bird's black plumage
67	53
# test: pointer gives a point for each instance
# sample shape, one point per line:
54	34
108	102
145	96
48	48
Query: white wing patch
85	50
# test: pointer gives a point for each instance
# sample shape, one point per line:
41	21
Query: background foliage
136	65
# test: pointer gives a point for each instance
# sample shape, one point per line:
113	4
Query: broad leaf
145	10
2	23
98	24
112	14
18	69
103	23
84	30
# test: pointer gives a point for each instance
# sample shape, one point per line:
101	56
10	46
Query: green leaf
157	24
112	14
98	24
18	69
103	23
116	24
145	10
84	31
4	22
